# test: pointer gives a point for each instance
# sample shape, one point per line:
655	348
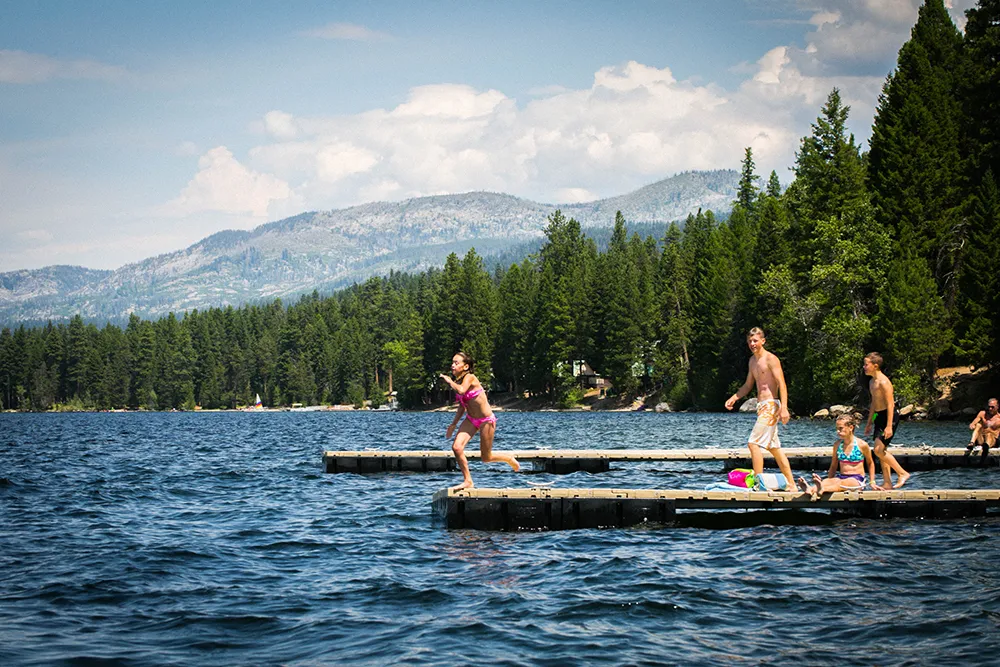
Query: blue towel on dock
722	486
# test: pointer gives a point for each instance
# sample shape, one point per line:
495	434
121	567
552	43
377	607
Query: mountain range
331	249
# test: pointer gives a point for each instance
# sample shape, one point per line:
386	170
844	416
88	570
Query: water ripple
200	539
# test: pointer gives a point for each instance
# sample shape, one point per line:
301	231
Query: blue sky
131	129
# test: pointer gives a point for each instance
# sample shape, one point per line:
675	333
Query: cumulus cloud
21	67
348	31
223	184
860	37
635	123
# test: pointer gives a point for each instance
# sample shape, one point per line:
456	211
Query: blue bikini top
856	455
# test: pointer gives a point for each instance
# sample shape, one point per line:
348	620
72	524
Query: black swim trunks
880	420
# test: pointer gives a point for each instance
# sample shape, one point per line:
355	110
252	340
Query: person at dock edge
882	418
985	429
765	371
479	417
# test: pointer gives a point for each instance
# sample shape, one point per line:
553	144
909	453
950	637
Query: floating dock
562	461
563	509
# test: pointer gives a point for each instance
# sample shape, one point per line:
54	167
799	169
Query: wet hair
756	330
848	419
875	358
467	359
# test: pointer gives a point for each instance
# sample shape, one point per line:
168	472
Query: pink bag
742	477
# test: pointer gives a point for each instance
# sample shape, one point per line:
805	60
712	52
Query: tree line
892	249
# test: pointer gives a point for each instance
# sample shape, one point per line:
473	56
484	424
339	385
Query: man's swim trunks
879	421
765	431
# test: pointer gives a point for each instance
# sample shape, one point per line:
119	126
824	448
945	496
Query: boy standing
765	371
881	416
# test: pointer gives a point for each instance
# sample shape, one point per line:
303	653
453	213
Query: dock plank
598	460
568	508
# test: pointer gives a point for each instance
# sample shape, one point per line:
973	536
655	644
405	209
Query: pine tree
824	301
773	185
478	315
829	179
979	332
747	190
619	332
555	331
8	370
518	293
444	334
676	324
982	93
708	248
915	169
913	314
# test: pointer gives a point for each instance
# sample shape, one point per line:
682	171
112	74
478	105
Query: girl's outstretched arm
462	388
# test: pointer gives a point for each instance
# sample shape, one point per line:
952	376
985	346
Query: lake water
216	539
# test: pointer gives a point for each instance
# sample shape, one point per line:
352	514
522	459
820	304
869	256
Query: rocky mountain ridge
330	249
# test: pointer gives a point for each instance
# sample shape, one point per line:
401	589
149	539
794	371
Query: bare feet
806	488
901	480
462	486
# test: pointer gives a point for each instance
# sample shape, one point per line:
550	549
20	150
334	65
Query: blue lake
216	539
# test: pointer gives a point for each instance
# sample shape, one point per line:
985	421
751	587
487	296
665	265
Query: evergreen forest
894	249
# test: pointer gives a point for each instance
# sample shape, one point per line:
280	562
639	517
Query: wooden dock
562	509
562	461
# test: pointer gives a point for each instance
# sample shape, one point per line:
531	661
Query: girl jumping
479	416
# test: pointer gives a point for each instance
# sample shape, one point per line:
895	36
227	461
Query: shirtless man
882	417
985	429
765	371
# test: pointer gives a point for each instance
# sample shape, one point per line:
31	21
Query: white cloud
223	184
855	35
575	196
280	125
449	101
349	32
338	160
635	123
24	68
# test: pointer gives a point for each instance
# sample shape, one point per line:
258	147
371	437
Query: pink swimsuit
464	399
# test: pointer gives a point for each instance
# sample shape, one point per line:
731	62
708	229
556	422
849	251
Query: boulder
749	406
970	412
941	406
906	410
662	407
822	413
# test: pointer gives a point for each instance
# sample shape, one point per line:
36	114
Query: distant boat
257	405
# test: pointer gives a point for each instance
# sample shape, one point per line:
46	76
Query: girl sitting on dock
847	468
479	416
